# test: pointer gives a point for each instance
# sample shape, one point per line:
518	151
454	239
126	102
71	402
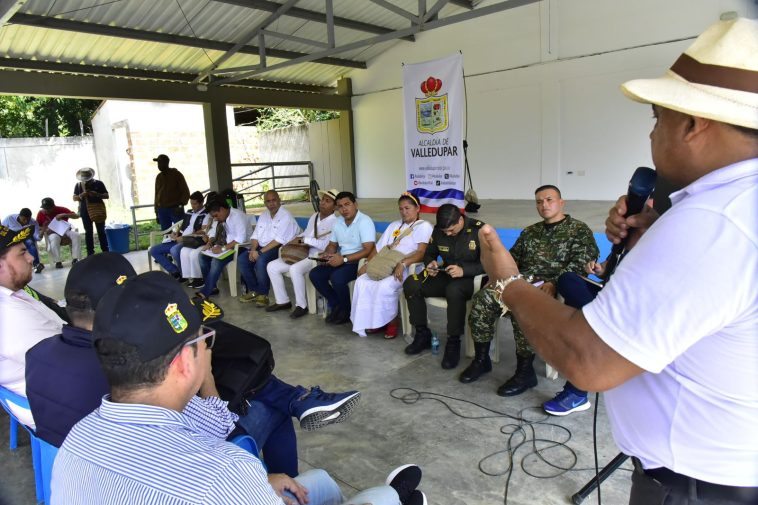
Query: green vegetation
24	116
272	118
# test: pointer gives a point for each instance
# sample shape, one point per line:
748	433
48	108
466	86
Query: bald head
272	201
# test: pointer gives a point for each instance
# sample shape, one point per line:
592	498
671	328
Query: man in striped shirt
159	437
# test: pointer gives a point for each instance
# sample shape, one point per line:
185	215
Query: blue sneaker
316	409
566	402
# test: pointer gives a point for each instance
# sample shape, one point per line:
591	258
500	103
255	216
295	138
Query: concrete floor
385	432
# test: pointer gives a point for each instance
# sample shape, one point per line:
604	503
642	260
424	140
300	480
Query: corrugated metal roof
203	19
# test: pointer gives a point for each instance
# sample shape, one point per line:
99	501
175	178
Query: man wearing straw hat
671	338
90	193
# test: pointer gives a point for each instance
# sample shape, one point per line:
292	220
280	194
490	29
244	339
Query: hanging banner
433	110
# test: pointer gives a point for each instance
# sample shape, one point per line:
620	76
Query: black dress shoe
342	318
332	315
299	312
58	264
279	306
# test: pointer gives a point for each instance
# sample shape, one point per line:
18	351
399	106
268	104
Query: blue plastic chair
8	397
248	443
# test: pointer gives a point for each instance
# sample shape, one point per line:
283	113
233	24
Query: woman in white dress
374	305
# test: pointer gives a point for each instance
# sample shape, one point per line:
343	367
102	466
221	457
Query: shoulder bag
383	264
95	210
292	253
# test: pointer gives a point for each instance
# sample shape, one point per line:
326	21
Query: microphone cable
524	429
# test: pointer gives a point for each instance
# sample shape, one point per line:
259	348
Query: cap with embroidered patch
96	275
9	238
150	311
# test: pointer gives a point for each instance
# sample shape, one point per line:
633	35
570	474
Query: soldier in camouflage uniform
456	240
544	251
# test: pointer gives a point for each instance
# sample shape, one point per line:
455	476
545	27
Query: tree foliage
24	116
272	118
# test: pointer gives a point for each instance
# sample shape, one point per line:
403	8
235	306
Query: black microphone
641	186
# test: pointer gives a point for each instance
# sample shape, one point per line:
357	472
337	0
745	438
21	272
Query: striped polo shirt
134	453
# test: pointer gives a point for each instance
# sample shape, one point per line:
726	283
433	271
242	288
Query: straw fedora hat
85	174
331	193
715	78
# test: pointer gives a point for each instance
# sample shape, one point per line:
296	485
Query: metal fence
291	179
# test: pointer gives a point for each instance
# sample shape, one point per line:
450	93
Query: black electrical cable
594	446
522	432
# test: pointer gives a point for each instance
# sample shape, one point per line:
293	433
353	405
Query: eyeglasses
208	334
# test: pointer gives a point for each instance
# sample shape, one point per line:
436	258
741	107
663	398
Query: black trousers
456	291
89	238
663	487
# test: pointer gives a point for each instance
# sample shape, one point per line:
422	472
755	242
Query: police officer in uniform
456	239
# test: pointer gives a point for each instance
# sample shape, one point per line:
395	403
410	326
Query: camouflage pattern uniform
545	252
462	250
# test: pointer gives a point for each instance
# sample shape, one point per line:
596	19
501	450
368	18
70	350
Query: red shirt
43	219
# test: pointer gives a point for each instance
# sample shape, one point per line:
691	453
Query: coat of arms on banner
431	112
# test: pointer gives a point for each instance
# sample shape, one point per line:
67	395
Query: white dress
375	302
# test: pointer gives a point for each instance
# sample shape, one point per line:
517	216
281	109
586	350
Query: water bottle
435	344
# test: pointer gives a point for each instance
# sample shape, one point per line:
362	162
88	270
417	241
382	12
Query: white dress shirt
238	226
318	243
282	227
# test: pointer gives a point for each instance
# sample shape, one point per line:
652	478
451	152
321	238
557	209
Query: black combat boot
523	379
422	340
452	352
480	365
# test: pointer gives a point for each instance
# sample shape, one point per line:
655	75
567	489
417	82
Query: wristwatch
344	259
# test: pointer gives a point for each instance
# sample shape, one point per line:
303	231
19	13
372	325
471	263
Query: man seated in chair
456	240
353	238
64	380
23	219
275	227
25	316
543	251
160	436
49	212
233	228
168	253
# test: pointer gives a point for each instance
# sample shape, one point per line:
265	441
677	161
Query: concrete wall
128	135
31	169
544	104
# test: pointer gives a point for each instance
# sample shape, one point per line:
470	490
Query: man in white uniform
673	337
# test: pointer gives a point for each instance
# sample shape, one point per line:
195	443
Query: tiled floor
384	432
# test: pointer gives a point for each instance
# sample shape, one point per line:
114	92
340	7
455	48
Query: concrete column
347	142
217	145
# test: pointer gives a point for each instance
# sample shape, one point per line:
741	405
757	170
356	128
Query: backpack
242	364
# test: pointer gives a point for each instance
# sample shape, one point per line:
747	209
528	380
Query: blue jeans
31	246
274	433
212	268
254	273
169	215
161	253
577	293
332	283
269	422
322	490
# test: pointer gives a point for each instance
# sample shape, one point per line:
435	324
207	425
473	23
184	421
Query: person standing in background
90	193
171	193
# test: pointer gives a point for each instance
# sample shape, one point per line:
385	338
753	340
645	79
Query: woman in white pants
374	306
316	235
